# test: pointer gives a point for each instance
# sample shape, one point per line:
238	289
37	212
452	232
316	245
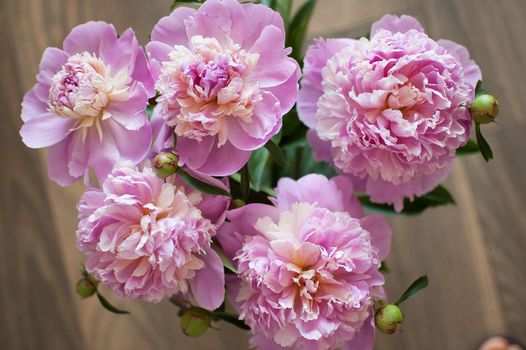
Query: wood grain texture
473	252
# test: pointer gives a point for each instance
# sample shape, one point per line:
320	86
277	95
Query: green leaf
106	304
479	90
283	7
469	148
202	186
245	183
182	2
260	168
414	288
383	267
149	111
226	261
293	130
484	146
230	318
276	153
255	196
298	29
439	196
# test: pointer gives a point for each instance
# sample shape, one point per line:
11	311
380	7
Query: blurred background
474	252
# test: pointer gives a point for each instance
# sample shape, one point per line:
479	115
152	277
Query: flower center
82	89
202	85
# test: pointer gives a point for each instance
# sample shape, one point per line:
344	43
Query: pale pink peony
389	111
225	81
308	266
149	239
89	102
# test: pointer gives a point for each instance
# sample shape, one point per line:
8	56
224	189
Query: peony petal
157	52
131	113
57	163
266	122
171	29
380	232
223	161
51	62
193	153
274	67
311	90
132	145
208	285
364	339
472	72
45	130
396	24
287	93
260	17
242	221
93	37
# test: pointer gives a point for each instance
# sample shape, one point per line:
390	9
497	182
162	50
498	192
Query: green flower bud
237	203
389	319
195	321
165	164
85	288
484	109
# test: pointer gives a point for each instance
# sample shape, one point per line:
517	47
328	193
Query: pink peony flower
146	238
89	102
224	79
308	266
389	111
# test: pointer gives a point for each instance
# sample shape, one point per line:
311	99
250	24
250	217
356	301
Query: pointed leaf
201	185
479	90
484	146
260	168
182	2
414	288
232	319
469	148
439	196
226	261
383	267
276	153
106	304
298	29
245	183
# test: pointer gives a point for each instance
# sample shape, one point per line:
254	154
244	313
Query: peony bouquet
245	182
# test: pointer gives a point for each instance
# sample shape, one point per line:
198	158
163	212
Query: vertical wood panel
473	252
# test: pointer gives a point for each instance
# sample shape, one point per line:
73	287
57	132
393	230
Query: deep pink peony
146	238
89	102
389	111
308	266
225	81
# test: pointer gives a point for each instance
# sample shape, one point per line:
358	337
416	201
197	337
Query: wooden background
474	252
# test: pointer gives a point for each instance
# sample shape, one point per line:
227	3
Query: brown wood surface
474	252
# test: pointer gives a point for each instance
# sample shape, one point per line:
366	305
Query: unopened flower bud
165	164
195	321
484	109
389	319
85	288
237	203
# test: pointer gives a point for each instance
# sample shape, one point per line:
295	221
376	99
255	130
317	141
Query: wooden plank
473	252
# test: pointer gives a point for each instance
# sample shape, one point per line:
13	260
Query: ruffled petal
472	72
396	24
311	90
